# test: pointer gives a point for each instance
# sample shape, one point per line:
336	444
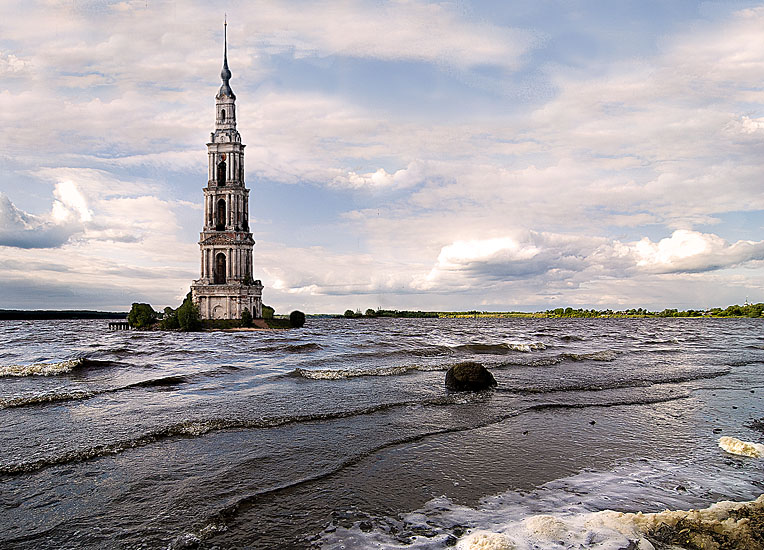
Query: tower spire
225	74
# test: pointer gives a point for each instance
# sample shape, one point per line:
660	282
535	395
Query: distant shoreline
747	310
755	311
61	314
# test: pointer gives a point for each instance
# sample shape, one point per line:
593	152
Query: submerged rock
469	377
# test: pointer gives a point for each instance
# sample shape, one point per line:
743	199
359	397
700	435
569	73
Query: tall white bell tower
226	285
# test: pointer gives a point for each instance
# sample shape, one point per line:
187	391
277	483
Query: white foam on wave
526	348
605	530
743	448
340	374
604	355
484	540
580	512
40	369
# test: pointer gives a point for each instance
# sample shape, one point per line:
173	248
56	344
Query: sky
489	155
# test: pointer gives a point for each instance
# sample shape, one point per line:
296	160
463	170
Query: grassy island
186	318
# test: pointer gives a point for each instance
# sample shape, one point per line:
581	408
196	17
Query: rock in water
469	377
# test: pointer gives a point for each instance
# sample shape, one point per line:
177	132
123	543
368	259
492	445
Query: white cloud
548	259
412	175
70	201
20	229
10	65
691	251
433	32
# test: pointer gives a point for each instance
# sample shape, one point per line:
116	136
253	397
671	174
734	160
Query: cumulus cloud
415	173
554	257
23	230
70	202
11	65
693	252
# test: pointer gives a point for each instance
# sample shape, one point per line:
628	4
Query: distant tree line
350	314
746	310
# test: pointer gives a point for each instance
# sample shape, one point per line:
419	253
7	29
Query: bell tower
226	285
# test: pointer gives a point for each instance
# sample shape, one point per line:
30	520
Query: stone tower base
227	301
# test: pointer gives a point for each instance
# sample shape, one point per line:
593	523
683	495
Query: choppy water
342	435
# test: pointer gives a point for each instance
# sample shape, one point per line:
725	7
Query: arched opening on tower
222	115
221	173
220	224
220	269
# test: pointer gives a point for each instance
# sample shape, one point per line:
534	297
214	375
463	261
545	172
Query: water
342	435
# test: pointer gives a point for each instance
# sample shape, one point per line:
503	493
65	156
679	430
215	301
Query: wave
73	395
658	341
41	399
291	348
500	349
398	370
722	525
604	355
200	427
607	355
616	384
578	512
42	369
218	521
172	380
343	374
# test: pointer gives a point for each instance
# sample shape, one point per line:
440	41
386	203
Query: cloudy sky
422	155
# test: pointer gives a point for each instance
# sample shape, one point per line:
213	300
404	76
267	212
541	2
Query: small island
186	318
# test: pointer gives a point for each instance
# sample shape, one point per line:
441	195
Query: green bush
370	313
349	313
246	318
188	315
268	312
141	316
296	319
278	323
170	319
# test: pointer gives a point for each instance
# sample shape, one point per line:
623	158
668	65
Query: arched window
221	221
220	269
222	114
221	174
